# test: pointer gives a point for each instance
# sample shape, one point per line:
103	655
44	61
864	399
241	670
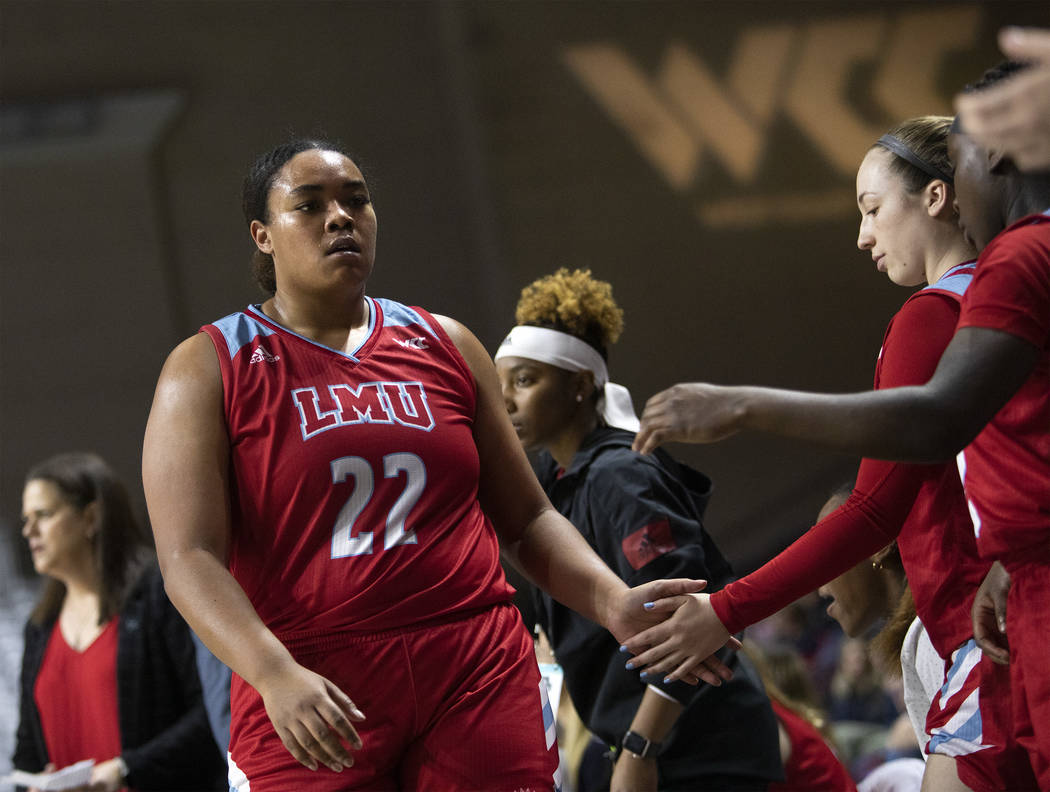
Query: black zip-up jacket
642	514
164	734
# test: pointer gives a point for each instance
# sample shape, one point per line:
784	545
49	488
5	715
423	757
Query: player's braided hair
927	138
575	303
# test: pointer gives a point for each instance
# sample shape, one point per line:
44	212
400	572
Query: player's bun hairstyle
255	195
119	547
927	138
574	303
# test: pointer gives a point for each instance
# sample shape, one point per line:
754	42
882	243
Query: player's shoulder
192	367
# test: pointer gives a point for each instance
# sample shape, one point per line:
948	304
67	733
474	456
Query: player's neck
340	324
948	256
1031	197
568	442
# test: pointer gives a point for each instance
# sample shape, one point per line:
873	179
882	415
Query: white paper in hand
74	775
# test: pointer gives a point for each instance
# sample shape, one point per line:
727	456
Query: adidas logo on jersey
260	355
414	343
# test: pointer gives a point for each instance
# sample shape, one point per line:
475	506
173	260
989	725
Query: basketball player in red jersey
324	472
989	397
905	196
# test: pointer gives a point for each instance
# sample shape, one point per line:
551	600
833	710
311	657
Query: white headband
570	353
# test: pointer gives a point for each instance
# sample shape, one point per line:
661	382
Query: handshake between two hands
673	632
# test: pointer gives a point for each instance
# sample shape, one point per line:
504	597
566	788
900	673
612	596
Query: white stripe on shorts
965	660
962	734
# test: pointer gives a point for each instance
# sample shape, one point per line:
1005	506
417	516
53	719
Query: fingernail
644	674
667	679
624	649
629	665
336	768
649	605
358	713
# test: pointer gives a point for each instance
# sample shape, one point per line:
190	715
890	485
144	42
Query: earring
579	397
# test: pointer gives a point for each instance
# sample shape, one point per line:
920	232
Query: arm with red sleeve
884	494
869	520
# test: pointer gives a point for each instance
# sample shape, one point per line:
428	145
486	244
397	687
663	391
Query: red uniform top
354	477
76	696
812	765
1007	466
921	506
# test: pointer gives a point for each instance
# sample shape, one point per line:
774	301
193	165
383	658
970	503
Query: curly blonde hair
575	303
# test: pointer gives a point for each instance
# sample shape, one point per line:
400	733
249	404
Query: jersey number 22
344	541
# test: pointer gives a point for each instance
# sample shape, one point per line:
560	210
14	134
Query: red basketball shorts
1028	630
455	705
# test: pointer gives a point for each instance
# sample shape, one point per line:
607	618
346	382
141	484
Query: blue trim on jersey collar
957	279
397	314
239	329
256	312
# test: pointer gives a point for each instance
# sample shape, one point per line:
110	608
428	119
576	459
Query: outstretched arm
184	469
978	373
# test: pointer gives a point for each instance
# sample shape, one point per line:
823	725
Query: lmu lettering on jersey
403	403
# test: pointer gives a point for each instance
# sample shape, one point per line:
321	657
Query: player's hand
692	412
989	614
629	615
634	774
625	612
312	717
682	647
1013	116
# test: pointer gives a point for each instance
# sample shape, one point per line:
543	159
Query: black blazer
164	733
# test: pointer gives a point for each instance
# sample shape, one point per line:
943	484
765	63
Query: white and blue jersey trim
239	329
956	280
396	314
256	310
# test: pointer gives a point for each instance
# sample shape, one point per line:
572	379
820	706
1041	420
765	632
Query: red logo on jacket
648	543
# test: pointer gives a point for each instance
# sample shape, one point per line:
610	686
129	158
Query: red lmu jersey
354	477
1006	469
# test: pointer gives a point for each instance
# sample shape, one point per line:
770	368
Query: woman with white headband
642	515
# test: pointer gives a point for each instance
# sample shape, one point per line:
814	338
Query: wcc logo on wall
684	116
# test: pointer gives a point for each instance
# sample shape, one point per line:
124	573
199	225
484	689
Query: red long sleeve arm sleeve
885	491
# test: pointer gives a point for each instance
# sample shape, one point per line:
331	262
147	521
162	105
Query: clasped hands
679	634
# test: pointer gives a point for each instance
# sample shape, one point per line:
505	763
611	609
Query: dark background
710	180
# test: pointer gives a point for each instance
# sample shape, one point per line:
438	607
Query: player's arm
978	373
185	465
534	537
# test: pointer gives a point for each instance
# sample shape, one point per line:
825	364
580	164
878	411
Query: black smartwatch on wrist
639	746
